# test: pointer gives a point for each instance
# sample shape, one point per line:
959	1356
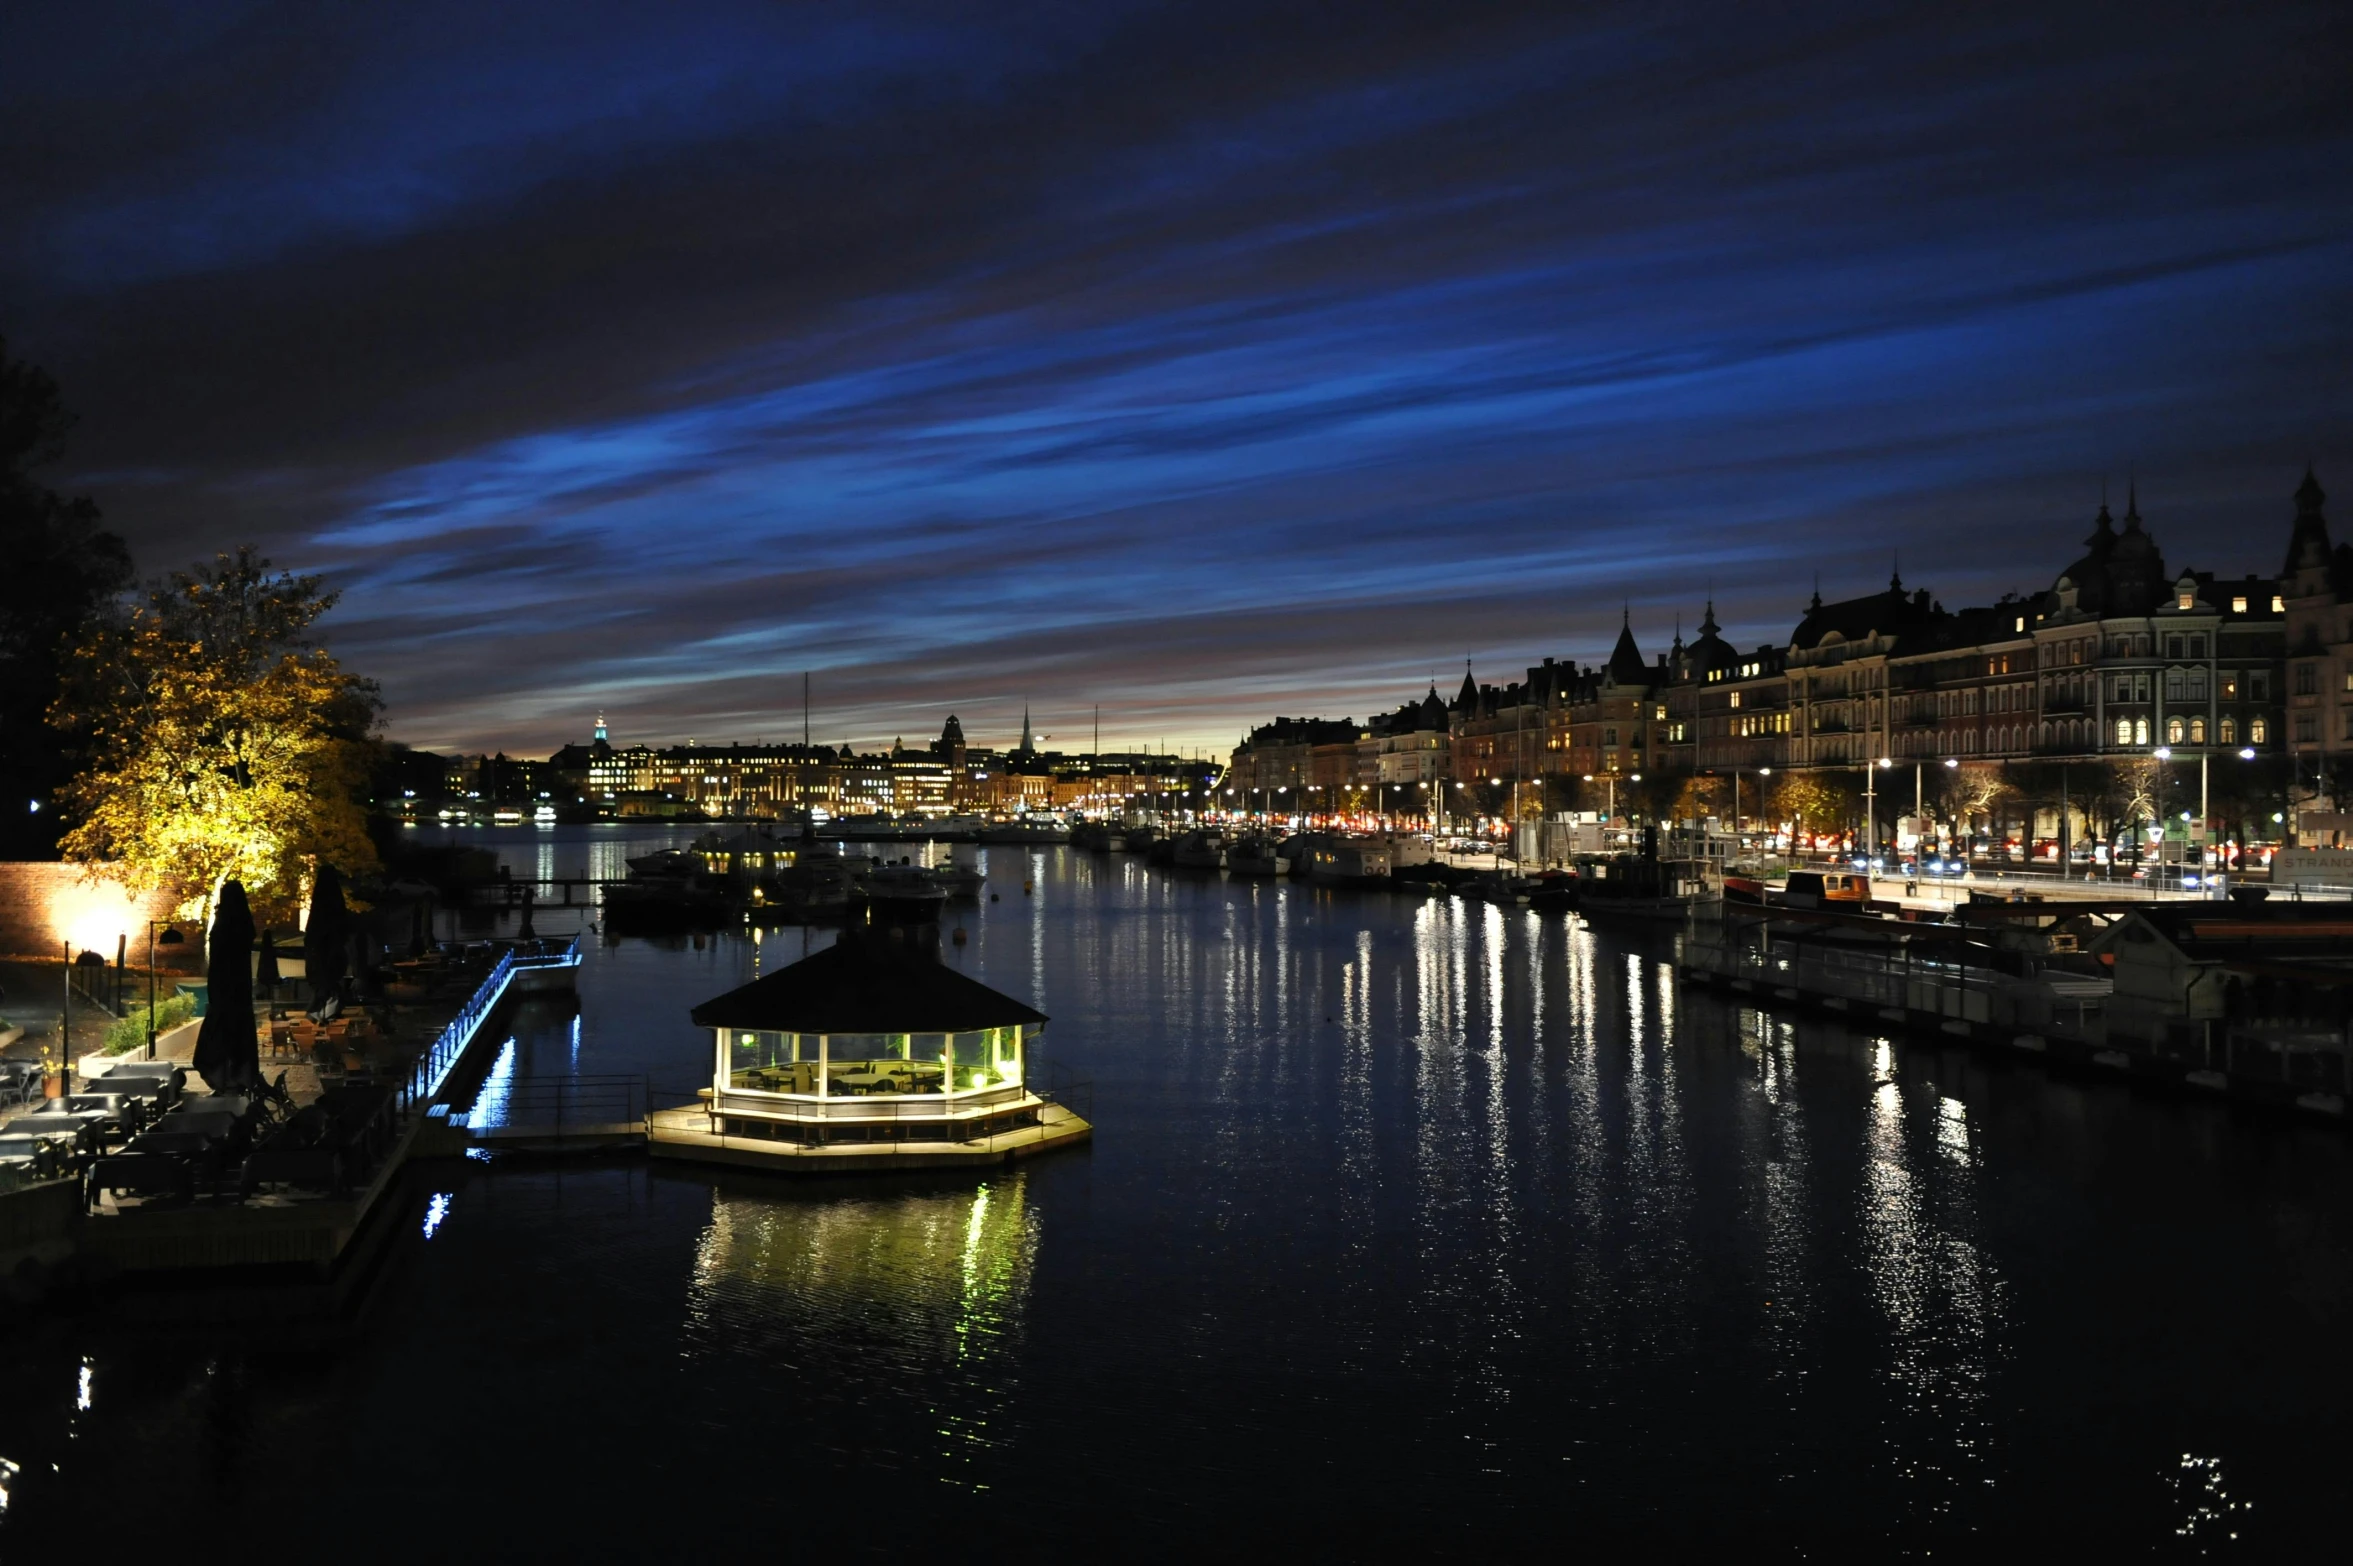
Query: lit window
2230	731
2140	731
1736	694
2189	600
2279	605
2022	621
2238	605
2197	731
2257	731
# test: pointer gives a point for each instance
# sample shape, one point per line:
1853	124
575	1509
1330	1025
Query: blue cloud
1202	362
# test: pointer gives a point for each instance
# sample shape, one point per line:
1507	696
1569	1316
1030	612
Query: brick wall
44	905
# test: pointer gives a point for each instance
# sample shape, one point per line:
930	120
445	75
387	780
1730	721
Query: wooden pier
312	1234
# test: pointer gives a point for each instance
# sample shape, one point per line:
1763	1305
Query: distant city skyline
1207	362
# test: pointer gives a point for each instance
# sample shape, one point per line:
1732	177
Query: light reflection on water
1410	1223
910	1293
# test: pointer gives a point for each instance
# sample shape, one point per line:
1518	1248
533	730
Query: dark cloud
1203	360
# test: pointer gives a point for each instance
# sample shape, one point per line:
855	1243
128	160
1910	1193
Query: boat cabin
1825	888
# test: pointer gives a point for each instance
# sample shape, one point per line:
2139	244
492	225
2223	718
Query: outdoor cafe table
177	1141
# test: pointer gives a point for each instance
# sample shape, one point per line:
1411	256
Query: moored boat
1203	848
1333	860
1032	826
1256	854
1635	886
907	888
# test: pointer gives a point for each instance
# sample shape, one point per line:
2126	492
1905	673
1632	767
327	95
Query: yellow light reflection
926	1292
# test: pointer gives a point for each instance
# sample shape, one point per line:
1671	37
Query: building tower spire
1026	745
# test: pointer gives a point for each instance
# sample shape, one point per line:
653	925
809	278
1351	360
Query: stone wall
42	906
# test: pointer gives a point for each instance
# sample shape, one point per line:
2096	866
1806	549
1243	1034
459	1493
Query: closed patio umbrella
326	939
265	968
226	1054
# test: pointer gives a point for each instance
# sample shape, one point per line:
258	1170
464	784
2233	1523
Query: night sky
1203	361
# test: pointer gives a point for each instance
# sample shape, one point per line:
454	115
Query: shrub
130	1032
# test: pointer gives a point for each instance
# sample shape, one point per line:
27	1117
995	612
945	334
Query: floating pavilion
868	1055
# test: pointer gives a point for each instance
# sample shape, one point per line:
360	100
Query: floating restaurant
870	1054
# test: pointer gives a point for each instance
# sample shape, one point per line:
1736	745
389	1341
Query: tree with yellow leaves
1814	801
1697	799
219	739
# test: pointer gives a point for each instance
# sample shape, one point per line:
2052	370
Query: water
1408	1225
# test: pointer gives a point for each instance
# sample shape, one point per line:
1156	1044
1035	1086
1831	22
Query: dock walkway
2057	1019
312	1231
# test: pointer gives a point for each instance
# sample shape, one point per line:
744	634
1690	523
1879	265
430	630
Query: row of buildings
597	778
2119	657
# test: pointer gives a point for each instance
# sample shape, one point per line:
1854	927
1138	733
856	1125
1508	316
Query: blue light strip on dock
458	1037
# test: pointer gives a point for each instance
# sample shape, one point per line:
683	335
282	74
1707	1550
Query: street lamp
2205	819
1871	806
170	937
1762	772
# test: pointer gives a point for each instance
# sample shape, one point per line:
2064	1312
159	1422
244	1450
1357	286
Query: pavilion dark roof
865	983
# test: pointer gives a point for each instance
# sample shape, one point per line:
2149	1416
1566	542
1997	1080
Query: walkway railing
99	987
552	1106
432	1068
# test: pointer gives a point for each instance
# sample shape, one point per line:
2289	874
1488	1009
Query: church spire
2308	541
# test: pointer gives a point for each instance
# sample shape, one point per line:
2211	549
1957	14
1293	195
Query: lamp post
1871	808
171	937
2205	816
1762	773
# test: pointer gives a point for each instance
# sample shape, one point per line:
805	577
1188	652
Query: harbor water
1409	1224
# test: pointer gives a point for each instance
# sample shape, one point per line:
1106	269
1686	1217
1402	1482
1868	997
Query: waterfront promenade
292	1211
